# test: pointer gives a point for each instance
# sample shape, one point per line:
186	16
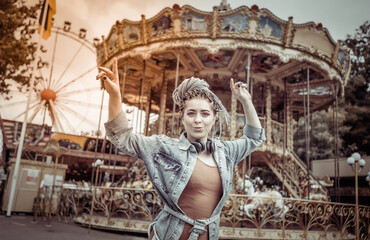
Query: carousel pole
336	141
305	191
285	129
162	107
249	87
148	109
247	68
124	80
24	125
142	97
308	133
176	82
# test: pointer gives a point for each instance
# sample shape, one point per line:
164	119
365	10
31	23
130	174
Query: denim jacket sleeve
135	145
239	149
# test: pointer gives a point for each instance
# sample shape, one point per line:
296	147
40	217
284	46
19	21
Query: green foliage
322	142
17	26
357	94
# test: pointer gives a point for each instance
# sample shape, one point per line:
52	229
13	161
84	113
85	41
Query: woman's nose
197	118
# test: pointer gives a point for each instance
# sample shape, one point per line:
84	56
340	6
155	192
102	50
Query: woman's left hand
240	91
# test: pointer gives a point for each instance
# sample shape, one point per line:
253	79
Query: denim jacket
170	162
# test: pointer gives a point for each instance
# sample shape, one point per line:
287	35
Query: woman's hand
110	79
240	91
111	85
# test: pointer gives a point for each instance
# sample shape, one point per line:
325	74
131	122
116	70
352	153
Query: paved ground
19	227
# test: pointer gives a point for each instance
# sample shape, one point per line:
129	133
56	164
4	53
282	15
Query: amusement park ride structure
291	70
61	87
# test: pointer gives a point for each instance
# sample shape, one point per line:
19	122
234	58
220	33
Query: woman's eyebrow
202	110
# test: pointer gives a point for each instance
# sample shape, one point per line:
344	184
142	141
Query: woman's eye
190	114
205	114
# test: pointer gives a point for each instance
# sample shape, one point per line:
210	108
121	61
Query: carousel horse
257	198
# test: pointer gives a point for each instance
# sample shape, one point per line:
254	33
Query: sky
340	17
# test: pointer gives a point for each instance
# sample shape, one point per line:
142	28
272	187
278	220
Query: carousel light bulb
350	160
356	156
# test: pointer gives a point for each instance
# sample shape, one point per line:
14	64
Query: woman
192	174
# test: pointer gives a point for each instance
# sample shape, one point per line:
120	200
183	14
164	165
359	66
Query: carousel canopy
240	43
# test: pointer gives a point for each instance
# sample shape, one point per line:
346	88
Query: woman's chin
197	136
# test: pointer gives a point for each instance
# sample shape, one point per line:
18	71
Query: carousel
291	70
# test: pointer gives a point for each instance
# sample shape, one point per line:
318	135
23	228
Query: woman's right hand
110	79
111	85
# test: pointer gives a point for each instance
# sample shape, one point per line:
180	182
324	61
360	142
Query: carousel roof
221	44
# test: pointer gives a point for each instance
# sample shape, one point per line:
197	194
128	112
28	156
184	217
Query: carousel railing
262	216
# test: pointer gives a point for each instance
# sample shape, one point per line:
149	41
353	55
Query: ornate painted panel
131	33
193	22
219	60
269	27
236	23
161	26
264	63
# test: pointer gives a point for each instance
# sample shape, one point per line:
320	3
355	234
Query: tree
17	26
357	93
322	127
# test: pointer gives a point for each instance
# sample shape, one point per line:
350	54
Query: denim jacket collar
184	143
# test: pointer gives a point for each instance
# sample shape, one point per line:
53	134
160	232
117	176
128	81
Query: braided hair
198	88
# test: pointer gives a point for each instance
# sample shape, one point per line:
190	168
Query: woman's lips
198	129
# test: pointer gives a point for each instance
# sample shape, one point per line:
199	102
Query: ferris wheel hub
48	94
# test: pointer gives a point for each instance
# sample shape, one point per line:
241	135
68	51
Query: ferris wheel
66	95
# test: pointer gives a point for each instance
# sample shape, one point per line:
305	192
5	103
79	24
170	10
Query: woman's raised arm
240	92
111	85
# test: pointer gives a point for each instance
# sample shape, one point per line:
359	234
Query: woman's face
198	119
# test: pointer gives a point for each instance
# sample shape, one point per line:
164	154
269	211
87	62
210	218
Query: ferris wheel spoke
53	60
55	116
65	94
19	115
85	104
39	107
43	113
16	92
69	64
74	80
82	117
14	104
65	119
